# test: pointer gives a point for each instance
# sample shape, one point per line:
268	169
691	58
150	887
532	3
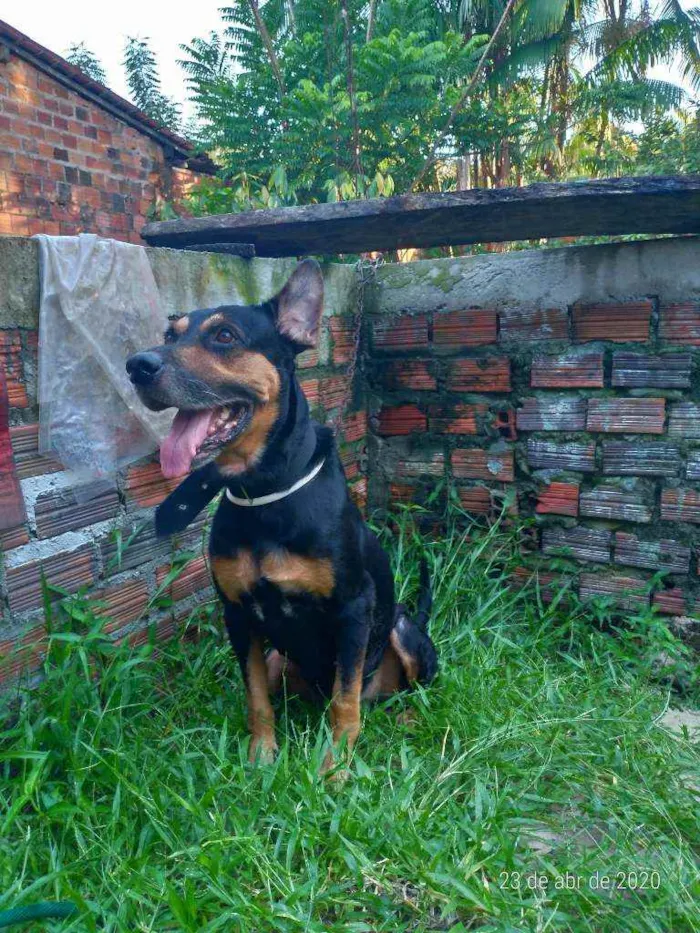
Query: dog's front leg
354	621
261	716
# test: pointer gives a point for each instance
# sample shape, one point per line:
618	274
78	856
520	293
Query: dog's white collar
275	496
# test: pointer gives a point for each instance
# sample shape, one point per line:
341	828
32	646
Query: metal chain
366	270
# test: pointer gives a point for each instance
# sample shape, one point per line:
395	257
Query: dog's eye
169	336
224	335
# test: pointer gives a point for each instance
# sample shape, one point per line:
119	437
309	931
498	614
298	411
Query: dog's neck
291	449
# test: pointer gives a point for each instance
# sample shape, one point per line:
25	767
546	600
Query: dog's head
223	369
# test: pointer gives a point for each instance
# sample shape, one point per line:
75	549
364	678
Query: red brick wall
67	166
585	418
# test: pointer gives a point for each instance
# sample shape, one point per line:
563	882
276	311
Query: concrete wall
81	547
562	383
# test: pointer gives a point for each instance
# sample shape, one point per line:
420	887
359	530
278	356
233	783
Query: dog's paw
331	770
262	751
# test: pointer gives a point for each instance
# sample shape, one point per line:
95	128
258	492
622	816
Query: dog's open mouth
197	436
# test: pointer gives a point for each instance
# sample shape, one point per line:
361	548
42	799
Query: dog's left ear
300	304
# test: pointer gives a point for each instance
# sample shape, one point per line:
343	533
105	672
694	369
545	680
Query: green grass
537	754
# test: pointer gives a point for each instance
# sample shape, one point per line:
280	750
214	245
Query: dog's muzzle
144	367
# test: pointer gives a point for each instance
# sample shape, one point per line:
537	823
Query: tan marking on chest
235	575
293	573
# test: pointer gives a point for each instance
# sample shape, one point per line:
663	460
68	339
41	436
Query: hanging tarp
99	304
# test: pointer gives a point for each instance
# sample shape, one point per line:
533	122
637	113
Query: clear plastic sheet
99	304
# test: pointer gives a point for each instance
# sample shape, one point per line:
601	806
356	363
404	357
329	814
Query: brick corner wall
67	166
582	414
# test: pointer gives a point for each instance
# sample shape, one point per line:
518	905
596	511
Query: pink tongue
188	430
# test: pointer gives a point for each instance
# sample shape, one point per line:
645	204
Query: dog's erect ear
300	303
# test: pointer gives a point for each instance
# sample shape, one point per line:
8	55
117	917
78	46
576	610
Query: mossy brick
11	366
626	415
570	371
640	370
684	420
473	463
28	460
692	466
193	578
402	492
354	426
484	374
623	323
504	423
163	630
680	505
13	537
408	374
533	324
635	458
421	463
146	485
558	499
580	543
401	419
670	602
68	570
476	499
310	388
548	585
680	323
343	330
614	503
349	459
123	603
358	492
552	413
132	547
59	511
456	329
665	554
309	359
548	455
22	654
459	418
392	334
333	391
625	592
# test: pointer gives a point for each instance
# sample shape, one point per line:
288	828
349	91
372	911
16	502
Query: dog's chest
290	575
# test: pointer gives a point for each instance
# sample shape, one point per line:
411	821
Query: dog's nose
143	367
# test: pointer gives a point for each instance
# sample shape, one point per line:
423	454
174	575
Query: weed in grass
531	770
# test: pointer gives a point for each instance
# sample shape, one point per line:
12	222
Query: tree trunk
356	155
370	18
269	47
463	173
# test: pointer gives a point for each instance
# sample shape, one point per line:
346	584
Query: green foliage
144	84
355	112
539	751
80	55
669	146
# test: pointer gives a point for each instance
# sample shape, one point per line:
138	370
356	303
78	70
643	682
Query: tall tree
80	55
143	81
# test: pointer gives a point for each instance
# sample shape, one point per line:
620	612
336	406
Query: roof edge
176	148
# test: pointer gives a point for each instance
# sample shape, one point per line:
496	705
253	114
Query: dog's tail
409	637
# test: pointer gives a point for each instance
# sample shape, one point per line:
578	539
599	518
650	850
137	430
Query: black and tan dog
292	559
